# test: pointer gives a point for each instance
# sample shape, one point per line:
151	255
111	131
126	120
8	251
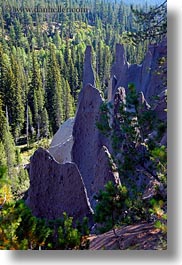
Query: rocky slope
142	236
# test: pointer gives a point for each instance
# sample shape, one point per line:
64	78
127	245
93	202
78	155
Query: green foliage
116	208
152	24
41	66
161	226
103	124
131	153
111	206
68	237
41	61
3	160
20	183
21	230
3	176
128	131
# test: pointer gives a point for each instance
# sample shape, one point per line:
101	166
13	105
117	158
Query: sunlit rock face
62	142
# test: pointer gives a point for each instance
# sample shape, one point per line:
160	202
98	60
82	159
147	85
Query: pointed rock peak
120	67
89	97
56	188
86	135
112	85
90	89
88	51
88	74
113	171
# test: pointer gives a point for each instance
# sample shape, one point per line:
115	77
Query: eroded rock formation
147	77
88	73
86	136
56	188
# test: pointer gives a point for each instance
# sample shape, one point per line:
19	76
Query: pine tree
3	161
45	123
152	24
69	103
73	79
57	39
100	62
37	97
54	94
2	120
4	70
11	91
7	142
16	104
111	206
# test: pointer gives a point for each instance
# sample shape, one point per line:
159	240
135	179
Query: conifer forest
83	125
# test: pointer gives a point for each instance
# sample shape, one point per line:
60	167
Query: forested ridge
43	54
41	75
41	63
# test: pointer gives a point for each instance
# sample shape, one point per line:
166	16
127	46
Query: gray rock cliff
56	188
86	136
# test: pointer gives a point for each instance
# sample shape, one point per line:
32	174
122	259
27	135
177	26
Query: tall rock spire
88	74
118	70
86	135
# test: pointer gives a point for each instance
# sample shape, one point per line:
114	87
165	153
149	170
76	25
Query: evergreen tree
69	103
2	120
7	143
57	40
16	104
3	161
111	206
45	123
152	24
54	94
37	97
